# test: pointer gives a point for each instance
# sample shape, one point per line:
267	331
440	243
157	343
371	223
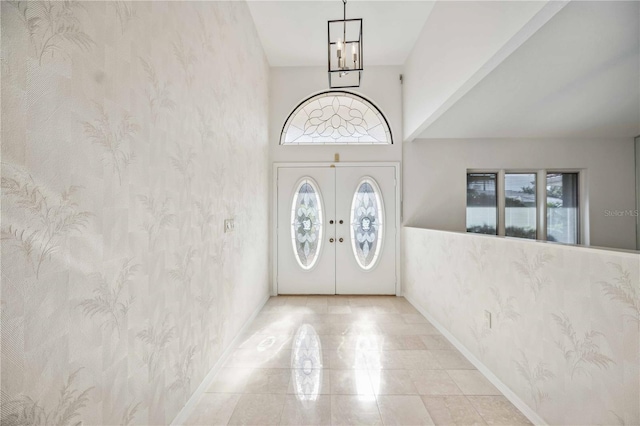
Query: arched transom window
336	118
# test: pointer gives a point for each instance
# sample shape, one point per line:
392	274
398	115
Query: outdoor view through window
562	207
482	204
522	208
520	205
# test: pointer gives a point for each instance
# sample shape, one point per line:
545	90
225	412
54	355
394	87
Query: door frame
274	210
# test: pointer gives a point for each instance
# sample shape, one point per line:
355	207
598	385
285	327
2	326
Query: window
519	207
562	207
306	223
482	204
336	118
367	223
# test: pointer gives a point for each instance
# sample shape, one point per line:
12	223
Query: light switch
487	319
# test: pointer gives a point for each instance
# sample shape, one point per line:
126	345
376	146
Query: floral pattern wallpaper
565	333
130	132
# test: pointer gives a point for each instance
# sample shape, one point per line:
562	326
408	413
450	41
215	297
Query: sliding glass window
562	207
482	204
520	214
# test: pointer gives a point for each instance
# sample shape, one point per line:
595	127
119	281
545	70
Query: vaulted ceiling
484	69
578	76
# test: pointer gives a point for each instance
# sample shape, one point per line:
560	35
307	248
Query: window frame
336	92
498	189
537	194
541	201
579	218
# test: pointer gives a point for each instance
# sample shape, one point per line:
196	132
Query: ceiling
294	33
485	69
576	77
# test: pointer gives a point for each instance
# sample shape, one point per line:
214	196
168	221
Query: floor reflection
367	356
266	343
300	364
306	363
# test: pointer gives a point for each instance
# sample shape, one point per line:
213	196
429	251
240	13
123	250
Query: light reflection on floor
306	363
348	360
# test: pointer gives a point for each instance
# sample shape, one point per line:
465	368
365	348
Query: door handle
331	222
341	239
341	221
331	240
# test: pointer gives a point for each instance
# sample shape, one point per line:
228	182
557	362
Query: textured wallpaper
130	131
566	320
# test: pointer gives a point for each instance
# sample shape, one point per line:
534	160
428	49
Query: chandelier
345	51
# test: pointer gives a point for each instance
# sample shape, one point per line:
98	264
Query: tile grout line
475	409
234	407
420	397
378	405
284	400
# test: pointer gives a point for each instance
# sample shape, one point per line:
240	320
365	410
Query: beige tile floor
365	360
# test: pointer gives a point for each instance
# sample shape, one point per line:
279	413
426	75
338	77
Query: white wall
564	335
435	179
576	77
125	145
457	40
290	85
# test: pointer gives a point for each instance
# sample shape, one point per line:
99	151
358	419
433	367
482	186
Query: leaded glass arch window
306	223
367	223
336	118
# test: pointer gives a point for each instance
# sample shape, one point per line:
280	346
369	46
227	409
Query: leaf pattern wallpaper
130	132
565	336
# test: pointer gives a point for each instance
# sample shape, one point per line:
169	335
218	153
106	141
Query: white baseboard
186	411
506	391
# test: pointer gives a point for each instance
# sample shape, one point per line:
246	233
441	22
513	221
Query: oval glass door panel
367	223
306	223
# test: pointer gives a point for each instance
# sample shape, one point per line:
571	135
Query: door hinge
401	79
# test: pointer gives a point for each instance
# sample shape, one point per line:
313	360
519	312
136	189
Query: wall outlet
229	225
487	319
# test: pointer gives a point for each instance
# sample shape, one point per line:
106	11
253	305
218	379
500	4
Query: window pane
367	223
520	205
562	207
336	118
482	205
306	223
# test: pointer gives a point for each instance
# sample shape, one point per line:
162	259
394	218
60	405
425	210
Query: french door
336	230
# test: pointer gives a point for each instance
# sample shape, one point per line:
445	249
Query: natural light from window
336	118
